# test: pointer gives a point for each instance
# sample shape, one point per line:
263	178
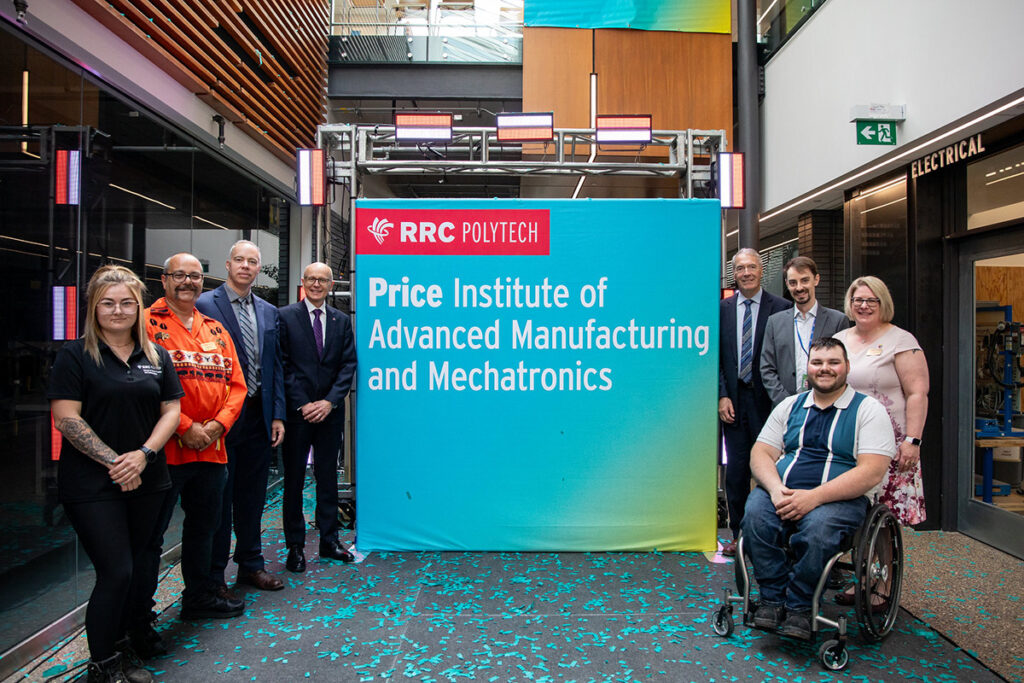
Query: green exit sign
876	132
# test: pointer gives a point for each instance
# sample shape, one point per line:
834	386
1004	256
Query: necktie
747	344
318	332
249	342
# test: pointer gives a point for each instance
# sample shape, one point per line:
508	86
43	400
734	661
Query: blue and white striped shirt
818	445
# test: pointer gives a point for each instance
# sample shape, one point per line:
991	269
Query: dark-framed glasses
870	302
180	276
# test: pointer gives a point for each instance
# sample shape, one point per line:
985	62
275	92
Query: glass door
991	327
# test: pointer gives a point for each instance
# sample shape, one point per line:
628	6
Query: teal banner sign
693	16
537	375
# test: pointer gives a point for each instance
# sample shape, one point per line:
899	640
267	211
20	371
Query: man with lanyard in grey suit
789	333
252	323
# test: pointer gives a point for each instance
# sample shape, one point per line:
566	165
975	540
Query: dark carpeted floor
431	616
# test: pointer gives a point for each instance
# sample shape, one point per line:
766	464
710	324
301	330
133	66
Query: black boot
131	665
107	670
147	642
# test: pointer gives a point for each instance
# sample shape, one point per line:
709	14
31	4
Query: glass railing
779	19
475	31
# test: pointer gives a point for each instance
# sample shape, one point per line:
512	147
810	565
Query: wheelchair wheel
722	621
878	568
833	655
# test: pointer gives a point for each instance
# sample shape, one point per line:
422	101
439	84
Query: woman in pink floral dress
886	362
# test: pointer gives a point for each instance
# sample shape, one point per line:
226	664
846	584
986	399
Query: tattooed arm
67	418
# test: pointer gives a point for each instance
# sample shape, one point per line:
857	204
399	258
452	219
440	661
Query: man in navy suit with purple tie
319	354
743	403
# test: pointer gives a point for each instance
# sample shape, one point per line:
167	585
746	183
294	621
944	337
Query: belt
255	398
745	385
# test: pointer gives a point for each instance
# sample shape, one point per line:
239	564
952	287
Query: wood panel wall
262	64
1002	284
684	80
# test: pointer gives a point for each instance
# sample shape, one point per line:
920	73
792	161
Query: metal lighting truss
354	150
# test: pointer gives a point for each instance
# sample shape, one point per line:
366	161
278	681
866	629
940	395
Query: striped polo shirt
820	444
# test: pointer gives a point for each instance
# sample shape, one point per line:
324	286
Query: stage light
625	129
526	127
65	313
423	126
311	172
68	170
730	180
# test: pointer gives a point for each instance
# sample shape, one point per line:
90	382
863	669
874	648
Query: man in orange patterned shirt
204	357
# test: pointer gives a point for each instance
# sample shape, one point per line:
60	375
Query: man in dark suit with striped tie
743	403
252	324
319	354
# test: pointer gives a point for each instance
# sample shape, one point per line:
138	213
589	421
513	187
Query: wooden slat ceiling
262	64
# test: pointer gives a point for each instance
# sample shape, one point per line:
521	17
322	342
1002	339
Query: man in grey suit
252	324
789	334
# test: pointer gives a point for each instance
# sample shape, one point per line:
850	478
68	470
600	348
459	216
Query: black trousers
245	493
325	438
200	486
116	535
739	439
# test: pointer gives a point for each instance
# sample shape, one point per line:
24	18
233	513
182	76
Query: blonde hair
886	308
102	280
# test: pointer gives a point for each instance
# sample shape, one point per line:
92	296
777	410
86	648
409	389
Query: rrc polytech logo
452	232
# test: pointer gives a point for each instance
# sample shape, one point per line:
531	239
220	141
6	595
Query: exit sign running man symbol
876	132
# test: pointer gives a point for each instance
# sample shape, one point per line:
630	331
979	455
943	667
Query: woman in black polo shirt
114	397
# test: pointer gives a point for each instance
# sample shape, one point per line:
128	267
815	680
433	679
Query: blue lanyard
796	329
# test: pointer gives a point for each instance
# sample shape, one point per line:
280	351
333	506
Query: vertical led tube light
311	173
730	180
68	174
65	313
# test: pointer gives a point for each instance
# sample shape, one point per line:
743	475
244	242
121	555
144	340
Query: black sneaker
147	642
107	670
768	616
211	606
797	625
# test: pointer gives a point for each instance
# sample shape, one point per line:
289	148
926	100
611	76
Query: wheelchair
876	563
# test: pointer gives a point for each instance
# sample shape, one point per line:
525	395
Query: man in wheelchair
817	461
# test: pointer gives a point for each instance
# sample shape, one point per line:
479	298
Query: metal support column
749	133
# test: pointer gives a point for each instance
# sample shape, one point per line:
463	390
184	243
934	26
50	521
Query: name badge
209	346
877	351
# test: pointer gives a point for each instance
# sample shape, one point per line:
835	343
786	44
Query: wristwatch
149	453
913	440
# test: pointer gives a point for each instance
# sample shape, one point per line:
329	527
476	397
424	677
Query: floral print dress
873	372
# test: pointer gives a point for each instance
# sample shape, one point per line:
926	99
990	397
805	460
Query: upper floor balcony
426	31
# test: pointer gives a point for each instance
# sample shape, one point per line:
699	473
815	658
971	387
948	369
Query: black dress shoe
211	606
296	559
332	550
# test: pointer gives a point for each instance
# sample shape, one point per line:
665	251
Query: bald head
317	280
183	281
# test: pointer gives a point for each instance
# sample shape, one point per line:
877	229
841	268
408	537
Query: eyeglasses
108	306
179	276
870	302
318	280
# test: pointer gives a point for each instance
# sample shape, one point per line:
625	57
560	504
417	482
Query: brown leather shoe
260	579
225	593
729	549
